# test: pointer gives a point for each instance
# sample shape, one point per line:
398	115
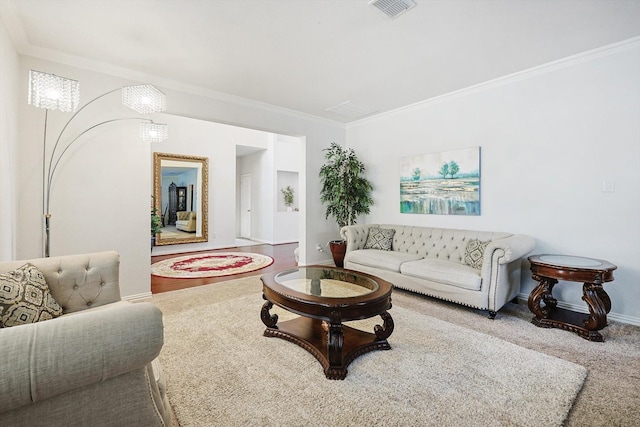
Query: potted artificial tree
345	191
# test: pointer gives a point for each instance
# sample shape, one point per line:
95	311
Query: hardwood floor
282	255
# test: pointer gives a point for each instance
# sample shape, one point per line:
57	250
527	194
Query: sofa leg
492	314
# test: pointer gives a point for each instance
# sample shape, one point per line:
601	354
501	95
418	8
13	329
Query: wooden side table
547	270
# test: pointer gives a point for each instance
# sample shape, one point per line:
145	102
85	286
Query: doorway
245	206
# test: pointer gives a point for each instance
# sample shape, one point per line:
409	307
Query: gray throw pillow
474	253
25	297
380	238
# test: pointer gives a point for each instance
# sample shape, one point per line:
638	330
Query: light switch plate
608	186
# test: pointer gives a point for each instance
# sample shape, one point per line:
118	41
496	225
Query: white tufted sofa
93	366
430	261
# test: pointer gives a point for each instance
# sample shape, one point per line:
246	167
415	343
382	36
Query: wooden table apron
320	331
597	300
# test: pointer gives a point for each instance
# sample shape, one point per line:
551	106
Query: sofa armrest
513	247
505	251
48	358
355	235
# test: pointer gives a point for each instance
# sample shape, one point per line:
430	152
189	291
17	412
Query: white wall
270	221
101	196
287	165
260	166
218	143
9	98
316	135
550	137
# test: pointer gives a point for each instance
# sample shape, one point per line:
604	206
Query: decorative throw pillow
474	253
25	297
380	238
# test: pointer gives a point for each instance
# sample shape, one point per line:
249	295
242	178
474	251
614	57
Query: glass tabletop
326	282
570	261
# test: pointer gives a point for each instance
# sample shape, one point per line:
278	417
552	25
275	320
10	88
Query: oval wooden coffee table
324	297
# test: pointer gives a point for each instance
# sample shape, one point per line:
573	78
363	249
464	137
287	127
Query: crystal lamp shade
53	92
154	132
144	99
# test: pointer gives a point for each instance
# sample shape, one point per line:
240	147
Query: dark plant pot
153	242
338	249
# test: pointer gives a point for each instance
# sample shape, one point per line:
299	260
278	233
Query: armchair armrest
44	359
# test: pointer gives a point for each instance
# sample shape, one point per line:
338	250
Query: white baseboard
328	263
622	318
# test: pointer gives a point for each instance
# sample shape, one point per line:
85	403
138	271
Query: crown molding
549	67
126	73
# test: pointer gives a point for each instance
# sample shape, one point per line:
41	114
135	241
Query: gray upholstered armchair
94	365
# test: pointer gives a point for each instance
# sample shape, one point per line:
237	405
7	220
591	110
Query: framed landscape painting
445	183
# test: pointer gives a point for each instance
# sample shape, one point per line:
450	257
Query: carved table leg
335	343
598	308
268	319
336	369
542	293
604	297
385	331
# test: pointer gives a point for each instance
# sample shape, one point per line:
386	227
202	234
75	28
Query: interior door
245	206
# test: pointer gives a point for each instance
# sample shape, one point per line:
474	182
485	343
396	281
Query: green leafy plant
345	190
288	195
156	220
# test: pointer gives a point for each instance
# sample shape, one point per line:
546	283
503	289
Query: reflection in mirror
180	191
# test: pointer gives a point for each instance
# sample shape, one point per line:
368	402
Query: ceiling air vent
393	8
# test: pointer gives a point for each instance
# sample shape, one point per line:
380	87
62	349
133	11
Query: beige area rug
222	371
214	264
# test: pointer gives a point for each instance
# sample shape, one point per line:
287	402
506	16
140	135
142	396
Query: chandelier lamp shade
53	92
144	99
153	132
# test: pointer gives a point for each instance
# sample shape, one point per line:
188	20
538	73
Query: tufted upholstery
186	221
78	282
431	261
90	366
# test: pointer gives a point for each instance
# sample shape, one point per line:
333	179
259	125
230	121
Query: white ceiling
310	55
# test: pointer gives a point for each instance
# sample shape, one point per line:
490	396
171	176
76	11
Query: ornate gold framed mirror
180	192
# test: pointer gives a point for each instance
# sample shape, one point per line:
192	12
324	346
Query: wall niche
287	179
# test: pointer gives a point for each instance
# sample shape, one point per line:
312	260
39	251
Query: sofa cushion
474	253
386	260
380	238
25	297
441	271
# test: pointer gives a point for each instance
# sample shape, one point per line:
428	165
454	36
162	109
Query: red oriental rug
213	264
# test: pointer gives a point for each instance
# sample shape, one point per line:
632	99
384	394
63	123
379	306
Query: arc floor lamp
53	92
